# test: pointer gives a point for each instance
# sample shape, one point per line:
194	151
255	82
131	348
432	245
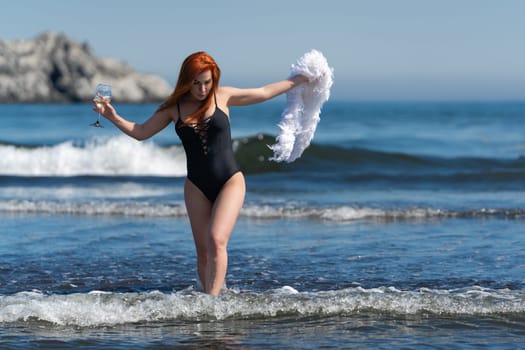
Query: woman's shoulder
226	91
168	112
230	94
223	94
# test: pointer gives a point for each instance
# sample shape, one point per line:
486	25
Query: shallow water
401	227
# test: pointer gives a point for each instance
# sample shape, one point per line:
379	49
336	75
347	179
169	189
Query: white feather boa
301	115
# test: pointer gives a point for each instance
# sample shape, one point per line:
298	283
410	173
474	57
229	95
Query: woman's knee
217	243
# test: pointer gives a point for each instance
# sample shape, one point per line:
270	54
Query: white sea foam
342	213
104	308
118	202
118	155
127	208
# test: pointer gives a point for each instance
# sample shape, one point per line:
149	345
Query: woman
214	189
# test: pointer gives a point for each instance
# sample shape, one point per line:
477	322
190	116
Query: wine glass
102	94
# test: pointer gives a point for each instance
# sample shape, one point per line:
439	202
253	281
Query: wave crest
121	156
112	156
104	308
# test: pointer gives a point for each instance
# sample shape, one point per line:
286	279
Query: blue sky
380	50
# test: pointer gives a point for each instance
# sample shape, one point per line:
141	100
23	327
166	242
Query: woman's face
202	85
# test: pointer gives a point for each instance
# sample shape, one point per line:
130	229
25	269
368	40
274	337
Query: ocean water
401	227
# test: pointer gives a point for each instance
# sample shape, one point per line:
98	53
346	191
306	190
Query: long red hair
193	65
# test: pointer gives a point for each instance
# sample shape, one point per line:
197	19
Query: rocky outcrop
55	68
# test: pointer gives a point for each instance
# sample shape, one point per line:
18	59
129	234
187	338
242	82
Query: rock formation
55	68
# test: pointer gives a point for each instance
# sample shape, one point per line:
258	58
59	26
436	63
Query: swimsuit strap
179	119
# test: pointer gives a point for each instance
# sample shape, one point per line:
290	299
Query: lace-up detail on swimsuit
201	130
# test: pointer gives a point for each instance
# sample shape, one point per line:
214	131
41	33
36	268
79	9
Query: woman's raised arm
244	97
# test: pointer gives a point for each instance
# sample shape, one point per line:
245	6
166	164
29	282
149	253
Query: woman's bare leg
223	218
199	212
212	228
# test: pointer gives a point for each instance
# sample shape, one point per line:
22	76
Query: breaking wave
123	156
98	308
250	210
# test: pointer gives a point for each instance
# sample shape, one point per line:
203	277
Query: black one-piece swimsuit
209	152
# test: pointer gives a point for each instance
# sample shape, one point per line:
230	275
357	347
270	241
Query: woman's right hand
104	107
